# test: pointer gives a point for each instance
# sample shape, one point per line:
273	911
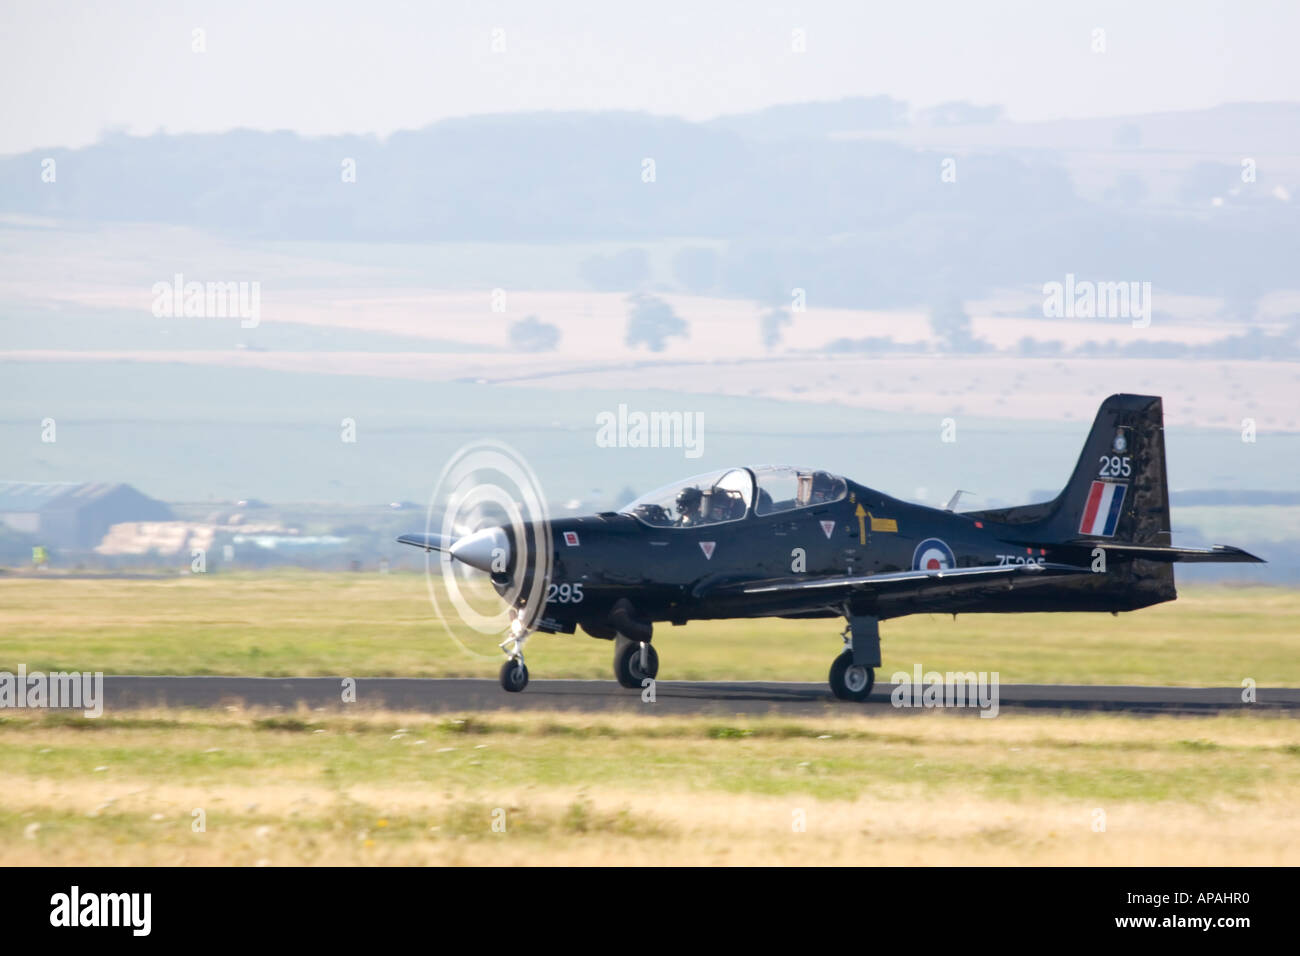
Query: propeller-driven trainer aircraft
780	541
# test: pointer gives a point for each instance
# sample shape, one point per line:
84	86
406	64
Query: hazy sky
68	71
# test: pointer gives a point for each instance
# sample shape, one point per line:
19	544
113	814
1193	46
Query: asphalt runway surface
671	697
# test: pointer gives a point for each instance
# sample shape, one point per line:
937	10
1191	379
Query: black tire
514	675
627	663
848	681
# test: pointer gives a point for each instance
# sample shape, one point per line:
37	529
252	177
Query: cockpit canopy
727	495
705	499
785	488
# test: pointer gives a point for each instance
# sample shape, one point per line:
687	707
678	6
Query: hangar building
74	515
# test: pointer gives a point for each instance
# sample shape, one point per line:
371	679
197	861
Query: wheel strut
514	673
853	673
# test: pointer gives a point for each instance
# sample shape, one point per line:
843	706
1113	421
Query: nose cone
488	550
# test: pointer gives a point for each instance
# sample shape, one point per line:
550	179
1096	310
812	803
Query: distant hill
817	120
864	221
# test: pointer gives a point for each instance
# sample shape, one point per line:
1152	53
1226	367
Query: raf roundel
933	555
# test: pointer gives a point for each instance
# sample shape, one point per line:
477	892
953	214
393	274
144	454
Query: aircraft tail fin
1116	504
1119	490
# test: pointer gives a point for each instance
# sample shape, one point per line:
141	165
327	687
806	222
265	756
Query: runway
671	697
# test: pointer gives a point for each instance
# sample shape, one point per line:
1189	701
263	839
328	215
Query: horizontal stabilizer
1219	553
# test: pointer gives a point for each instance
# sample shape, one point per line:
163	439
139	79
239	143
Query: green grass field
298	623
517	788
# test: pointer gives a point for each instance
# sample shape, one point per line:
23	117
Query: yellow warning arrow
862	524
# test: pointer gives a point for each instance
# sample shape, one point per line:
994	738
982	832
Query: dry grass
391	788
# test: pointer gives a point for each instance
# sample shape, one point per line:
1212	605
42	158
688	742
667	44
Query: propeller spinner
485	550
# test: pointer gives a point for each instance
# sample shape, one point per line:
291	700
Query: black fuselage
673	573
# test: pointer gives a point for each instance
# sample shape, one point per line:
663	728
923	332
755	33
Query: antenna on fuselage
952	502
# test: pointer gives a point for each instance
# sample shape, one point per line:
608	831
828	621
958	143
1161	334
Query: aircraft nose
488	550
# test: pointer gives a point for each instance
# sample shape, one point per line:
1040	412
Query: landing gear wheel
628	668
514	675
851	681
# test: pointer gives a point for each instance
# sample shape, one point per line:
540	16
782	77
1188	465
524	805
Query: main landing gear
853	673
635	658
634	661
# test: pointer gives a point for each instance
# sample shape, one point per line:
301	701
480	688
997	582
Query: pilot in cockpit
726	505
823	488
689	501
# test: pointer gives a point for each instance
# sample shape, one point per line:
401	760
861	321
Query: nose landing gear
514	673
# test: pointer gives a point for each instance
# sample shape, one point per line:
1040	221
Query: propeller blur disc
488	485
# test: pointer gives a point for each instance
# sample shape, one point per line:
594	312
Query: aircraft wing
429	542
892	581
1220	553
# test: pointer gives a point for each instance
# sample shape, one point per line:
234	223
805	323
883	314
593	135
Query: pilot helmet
688	500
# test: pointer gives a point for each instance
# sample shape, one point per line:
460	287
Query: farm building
74	515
